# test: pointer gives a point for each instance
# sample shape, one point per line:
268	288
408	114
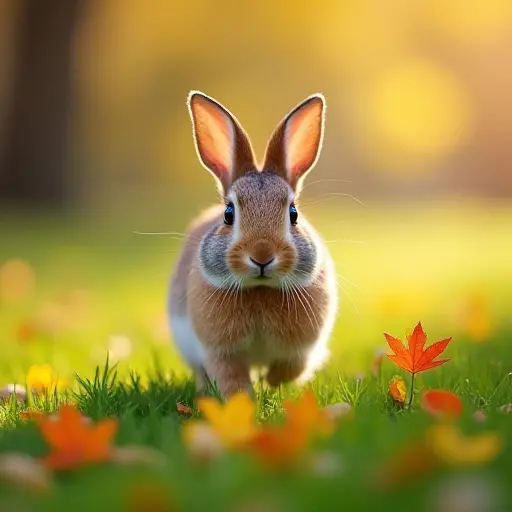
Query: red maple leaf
415	358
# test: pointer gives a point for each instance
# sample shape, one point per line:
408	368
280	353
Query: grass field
92	287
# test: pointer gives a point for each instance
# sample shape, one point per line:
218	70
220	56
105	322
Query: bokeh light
415	108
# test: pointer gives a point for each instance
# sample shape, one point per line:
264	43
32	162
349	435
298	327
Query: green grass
425	262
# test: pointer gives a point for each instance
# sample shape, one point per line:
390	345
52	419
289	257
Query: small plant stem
412	392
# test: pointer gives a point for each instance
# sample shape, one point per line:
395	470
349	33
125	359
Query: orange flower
397	389
75	441
416	358
441	403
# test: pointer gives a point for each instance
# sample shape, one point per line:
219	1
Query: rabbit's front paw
281	372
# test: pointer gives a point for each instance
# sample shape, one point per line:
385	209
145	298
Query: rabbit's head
262	239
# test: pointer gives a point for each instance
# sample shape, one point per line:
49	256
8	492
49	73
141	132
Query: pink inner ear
302	138
214	136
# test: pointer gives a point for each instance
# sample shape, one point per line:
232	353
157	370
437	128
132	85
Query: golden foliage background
419	101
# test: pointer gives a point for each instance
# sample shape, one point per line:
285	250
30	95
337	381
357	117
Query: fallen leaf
397	389
75	442
184	409
30	415
415	358
452	448
441	404
24	471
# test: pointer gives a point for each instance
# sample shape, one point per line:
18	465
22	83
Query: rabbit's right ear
222	145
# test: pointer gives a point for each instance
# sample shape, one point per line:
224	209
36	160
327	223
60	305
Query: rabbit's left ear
296	143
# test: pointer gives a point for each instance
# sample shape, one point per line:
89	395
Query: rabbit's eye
229	214
293	214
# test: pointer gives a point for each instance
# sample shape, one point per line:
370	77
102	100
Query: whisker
326	180
300	289
347	280
356	309
331	195
173	234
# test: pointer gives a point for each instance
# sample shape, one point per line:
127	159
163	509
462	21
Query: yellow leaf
451	447
233	422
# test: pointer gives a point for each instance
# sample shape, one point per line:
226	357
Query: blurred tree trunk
32	168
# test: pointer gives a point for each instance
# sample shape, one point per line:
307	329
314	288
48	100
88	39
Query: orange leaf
441	403
305	414
279	446
397	389
75	440
415	358
184	409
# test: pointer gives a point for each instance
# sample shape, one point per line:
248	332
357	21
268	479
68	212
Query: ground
95	287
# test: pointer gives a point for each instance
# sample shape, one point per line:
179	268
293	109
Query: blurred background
412	192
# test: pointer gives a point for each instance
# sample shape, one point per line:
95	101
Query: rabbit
254	286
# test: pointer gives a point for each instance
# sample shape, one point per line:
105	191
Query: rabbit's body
251	288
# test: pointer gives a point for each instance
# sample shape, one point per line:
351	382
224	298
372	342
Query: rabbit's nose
262	265
262	253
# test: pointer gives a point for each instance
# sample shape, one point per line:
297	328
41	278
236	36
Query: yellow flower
42	377
451	447
397	389
233	422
